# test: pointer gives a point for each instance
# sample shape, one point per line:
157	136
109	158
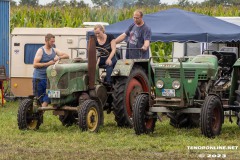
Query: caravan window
30	51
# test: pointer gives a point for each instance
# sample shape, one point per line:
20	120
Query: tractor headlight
176	84
116	71
159	84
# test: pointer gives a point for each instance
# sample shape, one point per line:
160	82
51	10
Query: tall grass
24	16
54	141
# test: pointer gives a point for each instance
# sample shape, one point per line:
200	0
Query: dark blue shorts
39	89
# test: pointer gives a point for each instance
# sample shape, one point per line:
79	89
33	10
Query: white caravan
24	44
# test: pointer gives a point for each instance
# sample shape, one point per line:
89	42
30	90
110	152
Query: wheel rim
148	123
31	122
136	85
92	119
216	118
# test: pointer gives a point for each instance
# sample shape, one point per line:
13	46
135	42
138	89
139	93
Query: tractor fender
124	66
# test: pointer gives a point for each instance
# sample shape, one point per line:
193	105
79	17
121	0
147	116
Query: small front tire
143	120
27	118
89	116
211	117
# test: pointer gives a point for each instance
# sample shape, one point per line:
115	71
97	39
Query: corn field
57	17
24	16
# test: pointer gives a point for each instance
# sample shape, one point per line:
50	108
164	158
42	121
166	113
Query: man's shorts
39	89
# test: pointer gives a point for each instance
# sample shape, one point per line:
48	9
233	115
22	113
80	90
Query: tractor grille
63	82
189	73
76	74
174	73
170	73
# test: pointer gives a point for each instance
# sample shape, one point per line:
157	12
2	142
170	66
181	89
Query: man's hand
144	48
50	63
56	58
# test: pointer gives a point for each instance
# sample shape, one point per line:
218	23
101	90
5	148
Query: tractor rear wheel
211	116
143	120
125	92
89	116
27	118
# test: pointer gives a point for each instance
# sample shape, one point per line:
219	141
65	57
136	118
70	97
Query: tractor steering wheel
102	52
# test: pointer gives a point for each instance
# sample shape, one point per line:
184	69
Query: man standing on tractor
45	56
139	36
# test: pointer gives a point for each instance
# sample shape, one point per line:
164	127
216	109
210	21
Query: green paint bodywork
68	77
125	66
202	67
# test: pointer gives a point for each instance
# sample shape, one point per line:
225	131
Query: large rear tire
211	116
143	120
89	116
27	119
125	93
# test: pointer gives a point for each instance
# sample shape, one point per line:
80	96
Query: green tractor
192	92
78	95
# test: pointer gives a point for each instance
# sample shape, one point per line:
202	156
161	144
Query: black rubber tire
211	116
184	120
69	118
143	123
122	107
26	118
89	117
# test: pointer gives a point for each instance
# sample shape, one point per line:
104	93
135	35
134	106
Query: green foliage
161	50
67	16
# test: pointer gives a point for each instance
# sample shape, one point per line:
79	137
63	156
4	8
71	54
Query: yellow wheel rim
92	119
31	124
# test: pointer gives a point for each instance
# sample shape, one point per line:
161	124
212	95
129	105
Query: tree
74	3
13	3
125	3
147	2
183	3
29	2
58	3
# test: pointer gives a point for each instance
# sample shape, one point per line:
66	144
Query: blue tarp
176	25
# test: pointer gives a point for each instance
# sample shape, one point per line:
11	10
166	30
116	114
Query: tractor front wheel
143	120
211	116
27	118
89	116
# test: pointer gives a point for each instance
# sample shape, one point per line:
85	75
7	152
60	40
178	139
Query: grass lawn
54	141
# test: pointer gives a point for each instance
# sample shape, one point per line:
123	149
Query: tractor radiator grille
170	73
76	74
189	73
174	73
63	82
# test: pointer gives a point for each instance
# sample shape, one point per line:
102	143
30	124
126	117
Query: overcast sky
43	2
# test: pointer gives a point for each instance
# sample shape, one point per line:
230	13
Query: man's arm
146	45
61	54
37	59
120	38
